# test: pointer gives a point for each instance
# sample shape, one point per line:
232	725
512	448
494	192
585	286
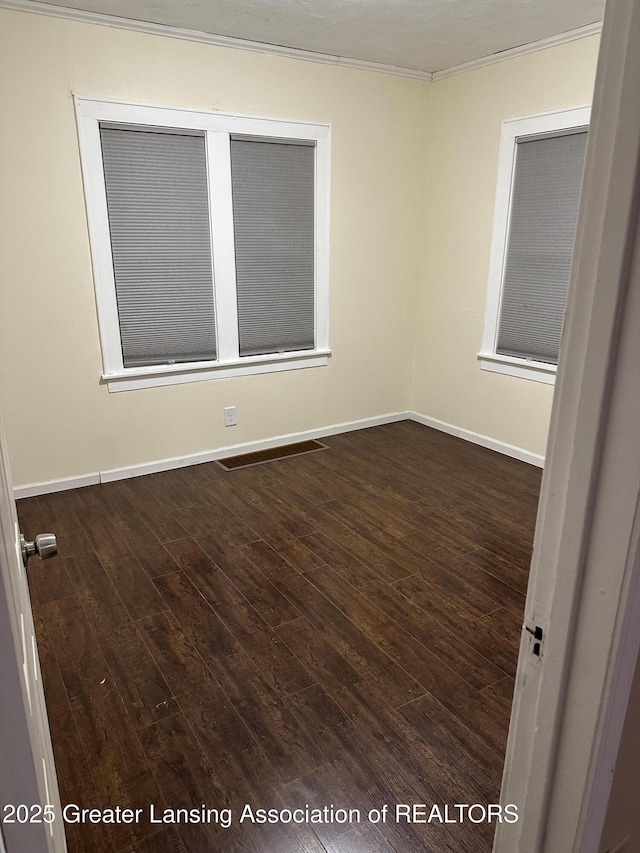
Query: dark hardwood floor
334	629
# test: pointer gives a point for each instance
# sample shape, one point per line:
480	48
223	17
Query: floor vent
262	456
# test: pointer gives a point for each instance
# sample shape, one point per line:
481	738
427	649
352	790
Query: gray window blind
158	209
544	212
273	217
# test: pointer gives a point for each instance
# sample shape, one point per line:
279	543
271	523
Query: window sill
536	371
135	378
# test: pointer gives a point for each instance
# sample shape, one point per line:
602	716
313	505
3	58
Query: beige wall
60	422
465	119
413	185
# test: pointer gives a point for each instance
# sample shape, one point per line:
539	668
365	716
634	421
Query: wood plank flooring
334	629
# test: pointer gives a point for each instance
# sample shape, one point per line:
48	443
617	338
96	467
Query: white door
572	691
30	819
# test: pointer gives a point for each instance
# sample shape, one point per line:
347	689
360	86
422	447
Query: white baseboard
48	486
246	447
31	490
482	440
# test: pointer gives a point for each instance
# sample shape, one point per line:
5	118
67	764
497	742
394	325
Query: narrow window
273	217
157	202
534	231
544	214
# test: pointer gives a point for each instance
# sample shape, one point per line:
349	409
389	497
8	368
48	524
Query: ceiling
423	35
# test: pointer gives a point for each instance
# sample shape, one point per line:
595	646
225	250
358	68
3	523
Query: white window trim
513	130
218	128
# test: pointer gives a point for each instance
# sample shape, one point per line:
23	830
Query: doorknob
44	545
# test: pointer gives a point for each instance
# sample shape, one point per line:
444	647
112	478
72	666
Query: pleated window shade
157	200
544	212
273	187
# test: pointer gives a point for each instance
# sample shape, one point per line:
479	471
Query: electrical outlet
230	417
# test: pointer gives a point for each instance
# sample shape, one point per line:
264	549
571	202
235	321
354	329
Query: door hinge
538	634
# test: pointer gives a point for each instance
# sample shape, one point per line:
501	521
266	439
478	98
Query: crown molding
532	47
149	28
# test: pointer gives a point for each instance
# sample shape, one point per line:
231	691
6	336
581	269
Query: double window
538	196
209	237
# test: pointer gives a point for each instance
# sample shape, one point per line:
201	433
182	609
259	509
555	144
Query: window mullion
223	244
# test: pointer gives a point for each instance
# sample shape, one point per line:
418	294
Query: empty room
282	306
